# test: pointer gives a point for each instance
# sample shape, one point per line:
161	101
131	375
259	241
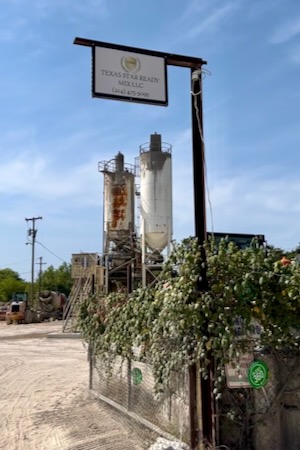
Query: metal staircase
81	289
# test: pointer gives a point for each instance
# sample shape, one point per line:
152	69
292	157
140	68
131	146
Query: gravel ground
44	400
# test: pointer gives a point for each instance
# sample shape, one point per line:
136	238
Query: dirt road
44	402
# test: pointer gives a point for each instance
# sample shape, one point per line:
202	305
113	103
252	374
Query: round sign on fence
258	374
137	376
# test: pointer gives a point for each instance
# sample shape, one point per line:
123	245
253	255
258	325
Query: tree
9	273
10	282
59	279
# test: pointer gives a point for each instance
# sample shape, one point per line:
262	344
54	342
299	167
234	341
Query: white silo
118	201
156	194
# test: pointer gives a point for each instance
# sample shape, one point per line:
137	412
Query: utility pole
32	232
40	263
200	232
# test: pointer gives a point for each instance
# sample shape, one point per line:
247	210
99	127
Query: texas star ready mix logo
130	64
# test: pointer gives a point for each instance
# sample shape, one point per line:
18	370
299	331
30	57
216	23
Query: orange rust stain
119	203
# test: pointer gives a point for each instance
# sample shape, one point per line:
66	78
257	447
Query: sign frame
139	95
238	378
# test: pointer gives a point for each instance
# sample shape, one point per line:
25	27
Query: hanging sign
237	372
258	374
120	73
242	332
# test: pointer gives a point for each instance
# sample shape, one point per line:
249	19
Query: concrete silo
155	199
118	217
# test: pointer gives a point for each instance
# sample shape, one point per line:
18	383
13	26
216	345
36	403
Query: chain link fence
129	386
246	418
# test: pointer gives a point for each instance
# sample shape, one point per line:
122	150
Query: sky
53	133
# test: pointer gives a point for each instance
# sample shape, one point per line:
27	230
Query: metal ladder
81	289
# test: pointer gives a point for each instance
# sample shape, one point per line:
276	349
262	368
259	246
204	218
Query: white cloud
11	27
40	179
194	8
255	204
17	15
201	18
286	31
70	199
45	7
254	201
260	8
212	21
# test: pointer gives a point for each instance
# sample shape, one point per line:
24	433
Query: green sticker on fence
137	376
258	374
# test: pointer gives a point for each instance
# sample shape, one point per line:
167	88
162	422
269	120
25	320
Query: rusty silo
118	202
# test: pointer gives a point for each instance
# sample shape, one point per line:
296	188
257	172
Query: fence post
91	365
129	389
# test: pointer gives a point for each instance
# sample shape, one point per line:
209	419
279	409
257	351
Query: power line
50	251
15	263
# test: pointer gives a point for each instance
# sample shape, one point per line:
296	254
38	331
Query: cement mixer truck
50	305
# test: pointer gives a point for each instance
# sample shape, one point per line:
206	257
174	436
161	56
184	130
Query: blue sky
52	133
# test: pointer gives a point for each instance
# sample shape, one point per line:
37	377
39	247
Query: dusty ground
44	401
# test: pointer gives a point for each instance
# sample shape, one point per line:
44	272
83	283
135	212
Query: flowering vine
175	324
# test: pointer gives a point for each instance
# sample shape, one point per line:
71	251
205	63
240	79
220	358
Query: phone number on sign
130	93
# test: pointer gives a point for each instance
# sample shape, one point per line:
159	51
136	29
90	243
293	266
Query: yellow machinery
19	311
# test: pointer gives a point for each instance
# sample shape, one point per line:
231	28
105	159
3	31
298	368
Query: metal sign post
200	232
139	75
